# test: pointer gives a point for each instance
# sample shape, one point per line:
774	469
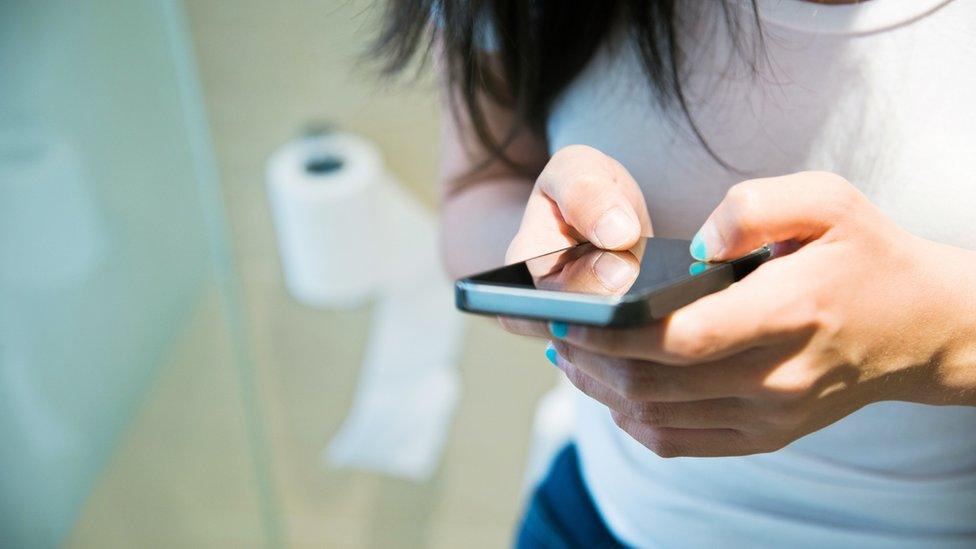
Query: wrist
956	360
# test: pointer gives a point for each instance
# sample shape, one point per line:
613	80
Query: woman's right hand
581	195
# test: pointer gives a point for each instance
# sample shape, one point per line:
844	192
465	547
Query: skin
862	312
853	310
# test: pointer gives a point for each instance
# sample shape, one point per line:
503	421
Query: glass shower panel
125	415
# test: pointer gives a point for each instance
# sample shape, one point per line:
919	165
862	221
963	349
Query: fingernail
613	271
698	248
706	245
614	229
558	329
551	354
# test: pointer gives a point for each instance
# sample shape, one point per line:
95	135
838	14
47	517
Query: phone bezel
653	303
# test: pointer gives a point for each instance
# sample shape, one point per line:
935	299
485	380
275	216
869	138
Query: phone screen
586	269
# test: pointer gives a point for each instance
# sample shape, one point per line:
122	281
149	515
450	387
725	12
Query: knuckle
572	152
823	320
694	341
791	389
559	158
659	441
839	195
664	445
603	341
811	312
769	444
639	381
739	444
516	249
830	181
805	310
627	387
521	327
798	313
743	200
576	165
568	352
568	157
586	180
658	414
786	416
790	385
659	382
507	324
578	379
629	384
741	193
619	419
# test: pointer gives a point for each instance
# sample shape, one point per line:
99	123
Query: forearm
478	222
483	196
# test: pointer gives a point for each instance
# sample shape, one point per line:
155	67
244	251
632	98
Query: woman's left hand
861	312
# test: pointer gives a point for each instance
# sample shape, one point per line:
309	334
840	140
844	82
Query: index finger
751	313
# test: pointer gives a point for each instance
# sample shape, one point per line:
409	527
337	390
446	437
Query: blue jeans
561	513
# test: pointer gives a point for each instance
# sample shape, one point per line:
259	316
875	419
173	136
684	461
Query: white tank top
883	93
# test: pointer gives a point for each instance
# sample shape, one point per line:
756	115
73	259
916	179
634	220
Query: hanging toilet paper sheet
408	385
407	390
348	232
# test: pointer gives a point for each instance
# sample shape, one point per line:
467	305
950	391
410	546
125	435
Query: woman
833	389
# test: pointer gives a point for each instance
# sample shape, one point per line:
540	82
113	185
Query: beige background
181	476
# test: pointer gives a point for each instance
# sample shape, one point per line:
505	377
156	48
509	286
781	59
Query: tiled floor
184	475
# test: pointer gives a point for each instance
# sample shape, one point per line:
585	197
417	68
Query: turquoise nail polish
698	250
559	329
551	354
697	268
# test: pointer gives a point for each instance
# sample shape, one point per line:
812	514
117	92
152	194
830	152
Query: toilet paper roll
322	193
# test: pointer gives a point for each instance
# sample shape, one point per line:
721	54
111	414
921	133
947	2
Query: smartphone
584	284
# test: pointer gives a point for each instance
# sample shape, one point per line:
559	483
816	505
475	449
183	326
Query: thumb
799	207
595	197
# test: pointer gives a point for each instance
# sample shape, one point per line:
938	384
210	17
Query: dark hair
540	45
